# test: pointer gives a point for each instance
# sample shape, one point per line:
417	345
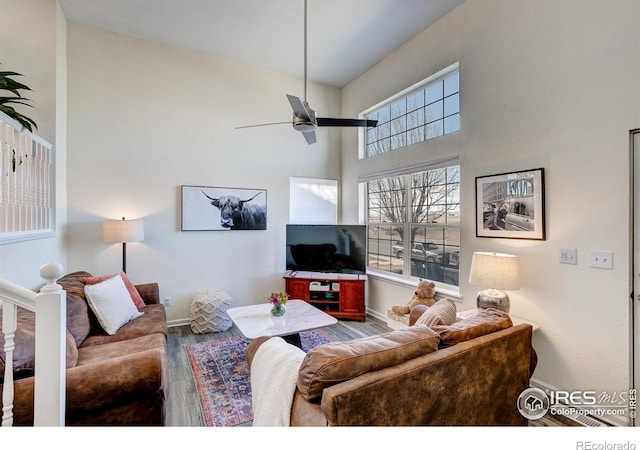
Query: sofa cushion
485	322
153	321
111	303
25	346
78	318
333	363
135	295
109	351
442	312
121	383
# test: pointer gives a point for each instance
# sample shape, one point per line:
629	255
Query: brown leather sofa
118	379
468	373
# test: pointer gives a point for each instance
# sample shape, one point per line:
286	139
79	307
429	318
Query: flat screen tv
327	248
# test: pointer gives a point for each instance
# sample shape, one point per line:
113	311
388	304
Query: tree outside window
414	224
430	111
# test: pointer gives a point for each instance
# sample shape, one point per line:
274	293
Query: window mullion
406	241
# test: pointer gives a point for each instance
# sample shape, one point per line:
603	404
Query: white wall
32	36
543	84
145	119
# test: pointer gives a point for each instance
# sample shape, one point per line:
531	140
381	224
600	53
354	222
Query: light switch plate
568	256
601	260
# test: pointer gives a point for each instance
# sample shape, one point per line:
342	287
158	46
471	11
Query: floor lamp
123	231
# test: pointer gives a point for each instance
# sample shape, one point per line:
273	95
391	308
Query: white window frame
407	224
406	93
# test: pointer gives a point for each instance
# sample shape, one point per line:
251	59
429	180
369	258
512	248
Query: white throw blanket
274	375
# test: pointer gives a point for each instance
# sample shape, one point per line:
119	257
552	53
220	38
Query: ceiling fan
305	119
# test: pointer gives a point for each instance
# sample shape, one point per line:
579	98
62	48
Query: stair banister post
9	324
50	370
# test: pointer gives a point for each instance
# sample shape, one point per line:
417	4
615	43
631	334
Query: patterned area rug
221	375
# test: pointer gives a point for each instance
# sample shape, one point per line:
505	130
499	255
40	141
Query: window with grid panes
413	223
429	110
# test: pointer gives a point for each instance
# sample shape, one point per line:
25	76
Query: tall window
425	111
413	220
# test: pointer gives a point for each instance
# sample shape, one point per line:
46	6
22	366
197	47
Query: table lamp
123	231
494	272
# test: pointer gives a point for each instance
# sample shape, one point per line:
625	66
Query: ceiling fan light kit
305	119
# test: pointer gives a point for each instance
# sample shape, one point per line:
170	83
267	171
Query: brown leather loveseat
118	379
468	373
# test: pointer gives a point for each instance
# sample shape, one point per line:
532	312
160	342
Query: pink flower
278	298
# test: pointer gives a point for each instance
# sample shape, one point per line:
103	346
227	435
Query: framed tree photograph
223	209
511	205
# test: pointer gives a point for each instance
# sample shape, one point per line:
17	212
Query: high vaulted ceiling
345	37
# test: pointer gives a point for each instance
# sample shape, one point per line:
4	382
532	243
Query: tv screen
327	248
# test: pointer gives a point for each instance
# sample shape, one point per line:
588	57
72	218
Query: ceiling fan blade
310	136
331	122
264	125
298	107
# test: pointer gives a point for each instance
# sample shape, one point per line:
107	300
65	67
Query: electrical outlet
167	301
568	256
601	260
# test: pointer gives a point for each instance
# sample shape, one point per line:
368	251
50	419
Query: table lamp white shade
494	272
123	231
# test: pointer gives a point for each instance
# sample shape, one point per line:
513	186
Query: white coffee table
254	321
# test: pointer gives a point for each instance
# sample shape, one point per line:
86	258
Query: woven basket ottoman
208	311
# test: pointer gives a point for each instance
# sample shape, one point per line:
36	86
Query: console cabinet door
351	296
297	289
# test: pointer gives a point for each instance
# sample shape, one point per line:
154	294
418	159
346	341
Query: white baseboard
178	322
377	315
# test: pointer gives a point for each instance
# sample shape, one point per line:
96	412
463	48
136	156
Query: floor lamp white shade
123	231
494	272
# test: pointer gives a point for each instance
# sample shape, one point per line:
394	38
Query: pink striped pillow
135	295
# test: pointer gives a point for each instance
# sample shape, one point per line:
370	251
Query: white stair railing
27	168
50	308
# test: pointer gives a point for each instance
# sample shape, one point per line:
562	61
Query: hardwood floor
183	405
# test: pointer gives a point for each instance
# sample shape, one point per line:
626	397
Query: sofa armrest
252	348
96	389
99	393
416	312
149	292
533	361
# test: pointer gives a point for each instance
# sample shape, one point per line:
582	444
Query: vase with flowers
278	300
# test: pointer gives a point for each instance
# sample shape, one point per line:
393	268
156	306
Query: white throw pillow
442	312
111	302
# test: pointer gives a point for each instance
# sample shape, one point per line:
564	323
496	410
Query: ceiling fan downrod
305	118
305	52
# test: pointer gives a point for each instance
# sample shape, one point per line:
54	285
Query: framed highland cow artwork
511	205
207	208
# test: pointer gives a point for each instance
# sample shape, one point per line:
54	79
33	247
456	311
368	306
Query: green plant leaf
9	84
15	100
25	121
